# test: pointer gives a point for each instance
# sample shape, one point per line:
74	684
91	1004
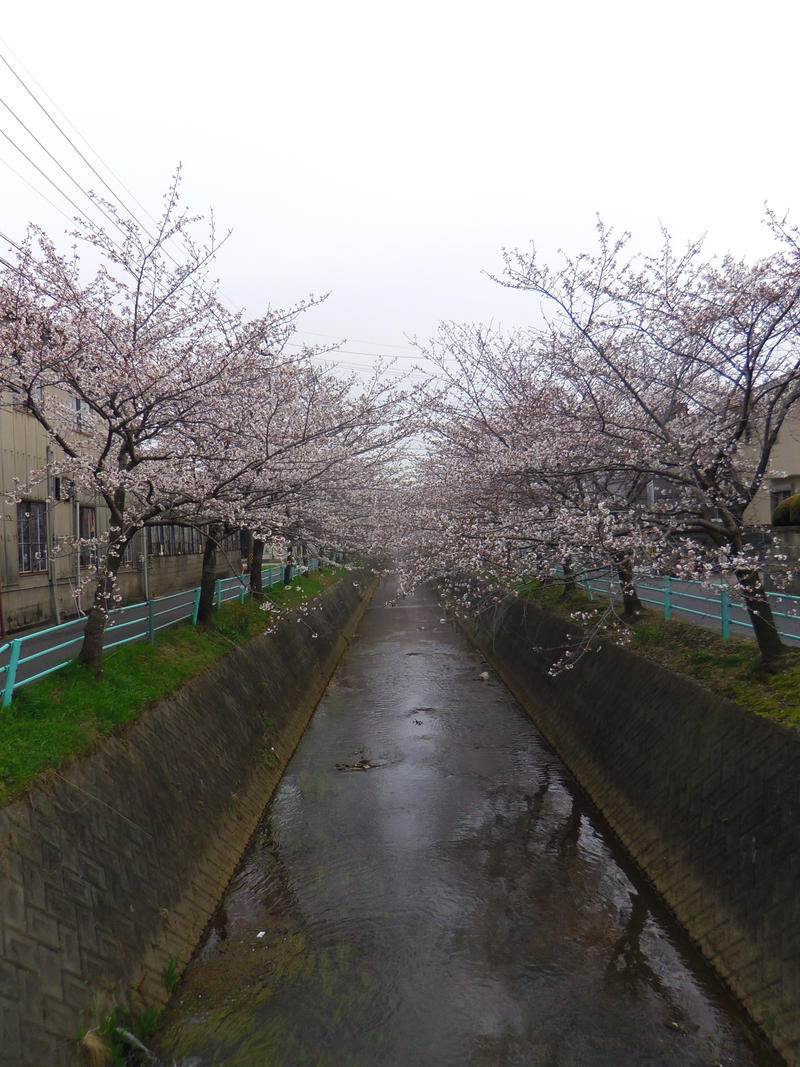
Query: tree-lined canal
428	887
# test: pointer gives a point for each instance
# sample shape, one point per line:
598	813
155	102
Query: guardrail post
724	612
219	592
667	602
196	606
588	587
11	671
150	629
241	593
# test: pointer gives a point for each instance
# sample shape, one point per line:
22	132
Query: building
42	573
783	477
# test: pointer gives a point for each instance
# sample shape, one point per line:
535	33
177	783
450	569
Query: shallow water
455	902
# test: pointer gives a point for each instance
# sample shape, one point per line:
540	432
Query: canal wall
110	872
704	795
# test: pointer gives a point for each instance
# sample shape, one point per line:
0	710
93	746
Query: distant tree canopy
190	412
628	432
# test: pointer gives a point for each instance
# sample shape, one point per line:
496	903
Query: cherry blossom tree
311	442
631	428
503	450
690	366
145	349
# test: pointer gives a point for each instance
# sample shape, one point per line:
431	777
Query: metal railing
699	603
35	655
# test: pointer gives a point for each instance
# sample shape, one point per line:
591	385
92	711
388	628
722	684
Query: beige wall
31	597
37	598
783	473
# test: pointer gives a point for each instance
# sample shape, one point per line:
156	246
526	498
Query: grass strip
730	668
68	712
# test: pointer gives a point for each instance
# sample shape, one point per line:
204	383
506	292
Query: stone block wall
704	795
117	863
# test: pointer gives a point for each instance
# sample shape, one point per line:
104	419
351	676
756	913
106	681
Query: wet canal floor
428	887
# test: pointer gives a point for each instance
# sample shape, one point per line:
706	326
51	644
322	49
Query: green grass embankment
68	712
731	668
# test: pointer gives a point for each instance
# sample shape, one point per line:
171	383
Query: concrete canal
429	887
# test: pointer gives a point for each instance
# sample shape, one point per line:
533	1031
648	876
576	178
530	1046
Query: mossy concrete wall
118	863
704	795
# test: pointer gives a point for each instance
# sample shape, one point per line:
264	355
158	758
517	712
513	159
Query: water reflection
455	902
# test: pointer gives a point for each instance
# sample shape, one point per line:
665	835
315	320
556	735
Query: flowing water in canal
428	887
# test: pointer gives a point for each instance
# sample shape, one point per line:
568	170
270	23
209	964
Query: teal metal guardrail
727	612
141	620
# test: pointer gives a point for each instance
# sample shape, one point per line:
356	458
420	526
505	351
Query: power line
38	192
69	140
46	177
408	354
358	340
353	352
60	165
90	196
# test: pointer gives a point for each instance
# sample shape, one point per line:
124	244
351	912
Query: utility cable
72	144
61	167
38	192
46	177
81	214
357	340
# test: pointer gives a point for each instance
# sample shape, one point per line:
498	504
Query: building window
32	535
23	400
171	540
775	498
88	532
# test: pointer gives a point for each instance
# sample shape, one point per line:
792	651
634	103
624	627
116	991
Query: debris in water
361	765
484	677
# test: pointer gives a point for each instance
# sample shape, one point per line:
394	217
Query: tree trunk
208	577
91	652
631	604
570	585
246	544
760	611
256	563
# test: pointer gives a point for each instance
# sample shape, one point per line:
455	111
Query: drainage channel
428	887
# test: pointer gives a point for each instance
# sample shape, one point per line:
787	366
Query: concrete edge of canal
109	875
703	795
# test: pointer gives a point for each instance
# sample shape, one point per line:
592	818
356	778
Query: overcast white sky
387	153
